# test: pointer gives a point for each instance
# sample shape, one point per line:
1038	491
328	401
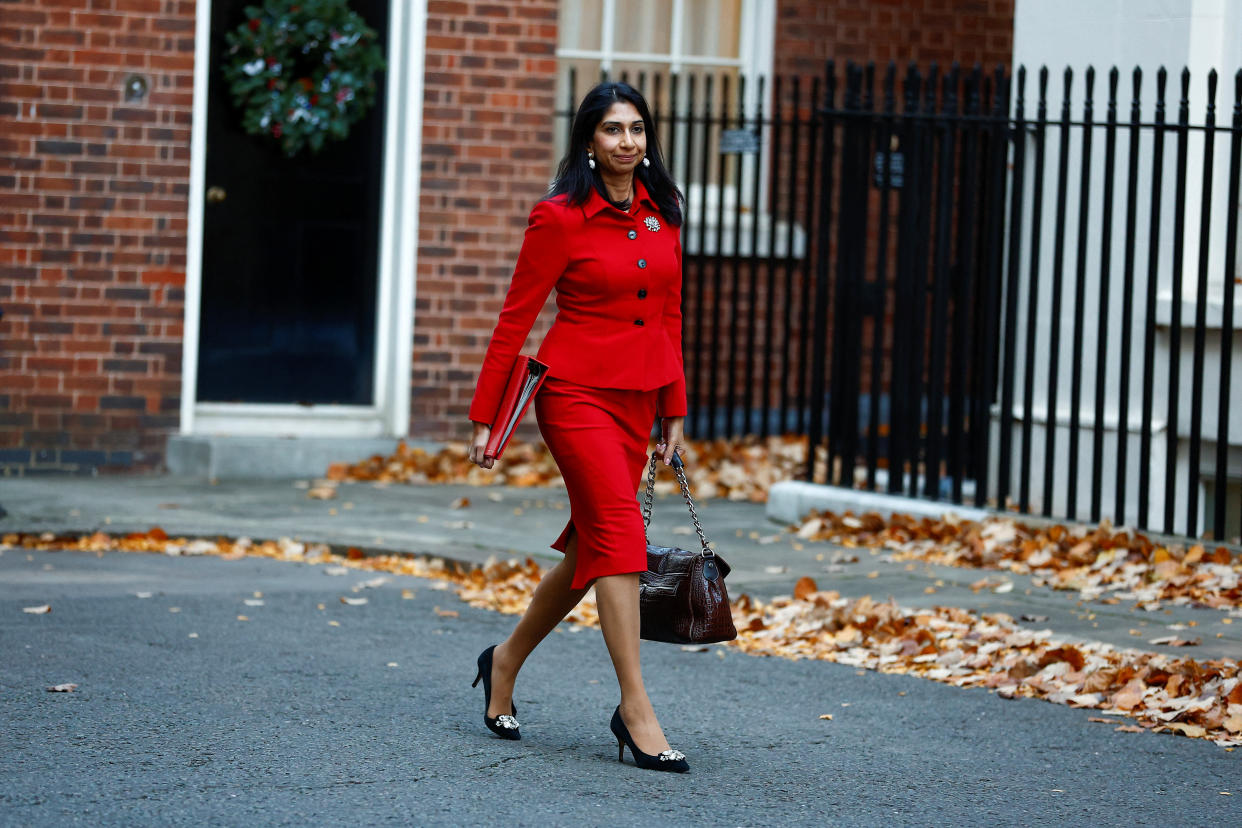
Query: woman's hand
672	430
478	443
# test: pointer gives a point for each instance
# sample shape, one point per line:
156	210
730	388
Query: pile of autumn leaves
1197	698
732	469
1099	563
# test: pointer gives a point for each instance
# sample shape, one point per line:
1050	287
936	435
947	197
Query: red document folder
527	375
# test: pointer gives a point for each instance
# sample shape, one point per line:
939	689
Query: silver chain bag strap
682	596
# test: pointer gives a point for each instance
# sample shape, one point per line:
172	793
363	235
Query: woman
607	237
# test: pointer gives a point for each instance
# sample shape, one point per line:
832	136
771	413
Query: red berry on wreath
255	23
271	83
276	130
314	99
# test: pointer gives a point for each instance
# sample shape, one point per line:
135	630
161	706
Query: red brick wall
809	32
92	230
487	158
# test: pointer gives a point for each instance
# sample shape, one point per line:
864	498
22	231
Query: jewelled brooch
653	224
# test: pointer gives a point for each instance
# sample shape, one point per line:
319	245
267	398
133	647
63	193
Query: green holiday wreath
302	72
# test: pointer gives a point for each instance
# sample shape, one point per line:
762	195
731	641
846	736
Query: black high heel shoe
506	727
669	760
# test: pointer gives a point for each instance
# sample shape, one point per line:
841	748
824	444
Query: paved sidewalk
504	521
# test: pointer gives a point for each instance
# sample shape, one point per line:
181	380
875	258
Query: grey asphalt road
196	717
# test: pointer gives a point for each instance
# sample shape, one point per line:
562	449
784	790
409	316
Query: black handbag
682	597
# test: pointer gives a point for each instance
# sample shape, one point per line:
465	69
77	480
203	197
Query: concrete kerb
790	501
461	565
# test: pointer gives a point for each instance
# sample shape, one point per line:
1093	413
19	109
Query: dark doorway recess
290	252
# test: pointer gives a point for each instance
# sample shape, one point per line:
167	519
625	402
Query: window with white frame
636	36
648	43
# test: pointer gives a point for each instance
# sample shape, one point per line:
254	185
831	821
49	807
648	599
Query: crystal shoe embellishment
672	756
653	224
507	721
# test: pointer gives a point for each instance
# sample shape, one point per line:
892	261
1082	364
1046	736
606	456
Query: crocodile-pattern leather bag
682	597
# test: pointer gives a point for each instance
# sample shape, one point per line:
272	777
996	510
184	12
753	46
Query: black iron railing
960	298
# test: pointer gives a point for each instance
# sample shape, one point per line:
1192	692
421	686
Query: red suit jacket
618	298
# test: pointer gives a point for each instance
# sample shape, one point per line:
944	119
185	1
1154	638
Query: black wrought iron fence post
1153	273
1226	327
819	358
885	133
850	257
1058	276
714	378
923	186
1013	279
1201	306
1080	294
1175	320
770	366
1103	330
1029	354
965	321
1127	298
991	287
902	402
752	353
702	387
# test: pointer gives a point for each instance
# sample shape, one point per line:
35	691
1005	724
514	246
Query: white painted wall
1199	34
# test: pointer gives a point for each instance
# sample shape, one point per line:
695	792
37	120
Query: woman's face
620	140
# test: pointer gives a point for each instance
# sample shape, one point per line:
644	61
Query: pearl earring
590	159
646	161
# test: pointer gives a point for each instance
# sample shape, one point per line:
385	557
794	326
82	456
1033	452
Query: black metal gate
947	295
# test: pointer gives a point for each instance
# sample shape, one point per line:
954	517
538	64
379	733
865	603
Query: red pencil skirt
599	438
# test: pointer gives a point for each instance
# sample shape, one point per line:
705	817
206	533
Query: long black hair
575	178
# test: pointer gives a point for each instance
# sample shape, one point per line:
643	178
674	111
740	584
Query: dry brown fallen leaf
62	688
460	503
443	613
827	716
1174	641
39	610
804	587
321	492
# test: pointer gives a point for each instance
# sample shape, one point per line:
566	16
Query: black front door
290	252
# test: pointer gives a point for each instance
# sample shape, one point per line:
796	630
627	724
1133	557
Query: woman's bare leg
617	598
552	601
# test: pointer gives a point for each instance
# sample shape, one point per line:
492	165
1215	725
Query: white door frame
390	414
